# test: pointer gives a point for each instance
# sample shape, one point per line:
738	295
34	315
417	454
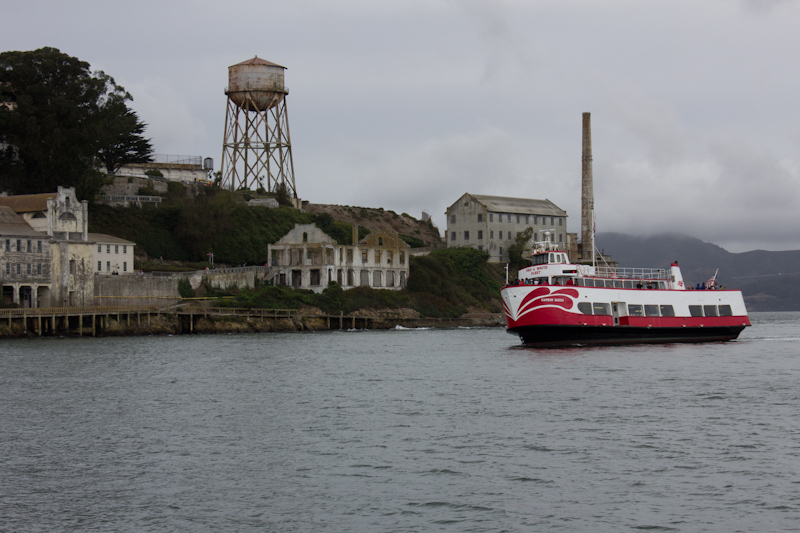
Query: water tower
257	150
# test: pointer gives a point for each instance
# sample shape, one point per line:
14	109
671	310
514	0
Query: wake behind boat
555	303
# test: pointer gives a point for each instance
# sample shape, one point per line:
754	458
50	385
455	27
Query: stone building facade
491	223
308	258
47	258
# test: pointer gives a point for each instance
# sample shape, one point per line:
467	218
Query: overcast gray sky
407	105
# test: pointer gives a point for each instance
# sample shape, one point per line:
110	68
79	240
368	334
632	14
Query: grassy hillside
186	227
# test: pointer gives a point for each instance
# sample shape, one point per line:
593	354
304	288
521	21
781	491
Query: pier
97	321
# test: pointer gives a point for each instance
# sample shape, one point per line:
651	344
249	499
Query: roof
27	203
107	239
258	61
525	206
14	225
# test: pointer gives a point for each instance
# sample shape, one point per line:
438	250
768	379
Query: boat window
617	283
628	284
710	310
725	310
585	308
696	310
651	310
588	282
635	310
667	310
661	285
601	309
579	282
610	283
552	258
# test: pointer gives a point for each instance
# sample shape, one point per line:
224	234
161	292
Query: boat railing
632	273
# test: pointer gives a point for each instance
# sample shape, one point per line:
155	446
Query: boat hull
568	335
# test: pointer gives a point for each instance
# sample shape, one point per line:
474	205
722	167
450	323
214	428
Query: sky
407	105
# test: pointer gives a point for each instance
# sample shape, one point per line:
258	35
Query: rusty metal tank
256	84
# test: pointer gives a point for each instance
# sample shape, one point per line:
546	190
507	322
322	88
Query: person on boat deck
639	285
703	287
649	284
570	281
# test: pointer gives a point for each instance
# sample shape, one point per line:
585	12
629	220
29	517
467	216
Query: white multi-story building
308	258
112	255
491	223
48	257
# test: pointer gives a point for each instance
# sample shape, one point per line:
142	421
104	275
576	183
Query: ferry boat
558	303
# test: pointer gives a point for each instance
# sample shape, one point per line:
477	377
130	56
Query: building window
491	234
29	269
480	217
124	249
452	219
39	246
19	269
535	236
402	258
500	235
509	217
99	266
8	268
8	245
491	217
480	247
527	219
99	248
501	251
30	246
480	235
452	235
108	266
535	220
108	248
517	219
560	221
364	256
466	235
71	266
116	248
39	269
19	245
378	256
560	237
124	266
552	221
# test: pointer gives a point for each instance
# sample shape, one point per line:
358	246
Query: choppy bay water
421	430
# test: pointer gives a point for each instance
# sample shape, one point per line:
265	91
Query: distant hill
769	281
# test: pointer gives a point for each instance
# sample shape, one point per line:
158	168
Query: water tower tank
256	84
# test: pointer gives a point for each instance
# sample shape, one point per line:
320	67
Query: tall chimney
587	190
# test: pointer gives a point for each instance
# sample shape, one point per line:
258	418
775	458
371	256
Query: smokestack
587	190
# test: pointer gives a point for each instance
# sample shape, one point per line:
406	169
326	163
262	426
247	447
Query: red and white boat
556	303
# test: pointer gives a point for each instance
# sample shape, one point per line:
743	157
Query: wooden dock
95	320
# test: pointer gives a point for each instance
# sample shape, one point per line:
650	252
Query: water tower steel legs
257	148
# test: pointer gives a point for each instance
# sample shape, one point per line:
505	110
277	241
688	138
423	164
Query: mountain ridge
769	281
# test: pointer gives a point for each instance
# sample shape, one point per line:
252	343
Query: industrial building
491	223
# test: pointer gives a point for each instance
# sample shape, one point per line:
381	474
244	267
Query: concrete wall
135	290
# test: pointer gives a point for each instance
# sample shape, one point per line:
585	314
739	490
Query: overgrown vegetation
187	227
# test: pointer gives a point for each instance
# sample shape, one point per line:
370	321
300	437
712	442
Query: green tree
122	136
516	260
56	116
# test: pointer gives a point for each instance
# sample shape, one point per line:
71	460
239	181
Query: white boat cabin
551	266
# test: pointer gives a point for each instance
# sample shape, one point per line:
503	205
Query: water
407	430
